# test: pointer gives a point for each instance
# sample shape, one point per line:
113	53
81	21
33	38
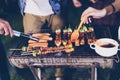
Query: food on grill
38	45
45	37
46	50
58	31
44	47
83	29
68	46
42	41
24	48
40	34
69	32
35	52
77	42
90	29
69	50
75	34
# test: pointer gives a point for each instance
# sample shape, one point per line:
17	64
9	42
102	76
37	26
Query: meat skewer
75	34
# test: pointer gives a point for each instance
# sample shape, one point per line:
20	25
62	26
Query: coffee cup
105	47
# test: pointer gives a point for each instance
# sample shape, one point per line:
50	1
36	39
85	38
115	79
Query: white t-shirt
38	7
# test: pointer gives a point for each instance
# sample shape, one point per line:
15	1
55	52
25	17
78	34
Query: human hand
92	12
77	3
5	28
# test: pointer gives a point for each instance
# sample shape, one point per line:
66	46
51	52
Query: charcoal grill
83	56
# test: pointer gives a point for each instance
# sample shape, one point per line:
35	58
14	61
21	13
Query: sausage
38	45
46	38
49	39
40	34
41	41
69	50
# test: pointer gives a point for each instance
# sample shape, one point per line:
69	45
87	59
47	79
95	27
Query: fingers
85	19
9	29
95	13
2	28
87	14
5	28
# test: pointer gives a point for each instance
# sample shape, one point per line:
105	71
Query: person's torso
38	7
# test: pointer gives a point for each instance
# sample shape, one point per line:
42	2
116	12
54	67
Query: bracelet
113	8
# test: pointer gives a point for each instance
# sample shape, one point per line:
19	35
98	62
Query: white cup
105	47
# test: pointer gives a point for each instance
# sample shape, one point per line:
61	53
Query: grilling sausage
38	45
41	41
40	34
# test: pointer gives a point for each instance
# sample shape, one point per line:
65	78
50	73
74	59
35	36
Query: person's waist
39	14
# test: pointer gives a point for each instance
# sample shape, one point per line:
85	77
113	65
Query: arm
114	7
5	28
95	13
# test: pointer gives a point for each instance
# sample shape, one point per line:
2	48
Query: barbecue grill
82	56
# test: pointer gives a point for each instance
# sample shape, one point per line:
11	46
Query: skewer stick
80	25
14	49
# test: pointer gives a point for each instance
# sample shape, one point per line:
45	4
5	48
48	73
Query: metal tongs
19	34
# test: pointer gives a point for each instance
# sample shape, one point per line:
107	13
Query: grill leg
94	71
36	72
58	73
